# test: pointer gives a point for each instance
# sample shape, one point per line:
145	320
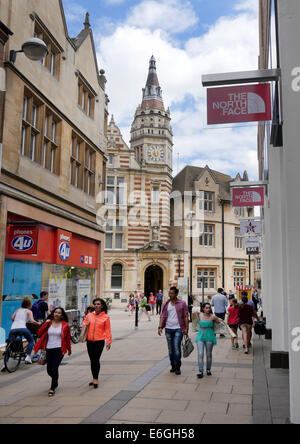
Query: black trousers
158	307
95	349
54	357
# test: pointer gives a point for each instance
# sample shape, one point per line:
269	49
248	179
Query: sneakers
246	351
28	360
200	375
172	370
177	371
208	372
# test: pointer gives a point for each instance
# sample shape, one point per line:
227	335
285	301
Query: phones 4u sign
23	239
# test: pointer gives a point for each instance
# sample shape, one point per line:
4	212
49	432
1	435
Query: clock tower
151	132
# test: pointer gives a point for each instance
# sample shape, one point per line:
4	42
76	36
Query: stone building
53	161
146	247
218	251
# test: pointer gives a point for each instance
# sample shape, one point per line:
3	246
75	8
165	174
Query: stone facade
54	138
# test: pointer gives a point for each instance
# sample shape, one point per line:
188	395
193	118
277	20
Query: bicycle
15	353
75	331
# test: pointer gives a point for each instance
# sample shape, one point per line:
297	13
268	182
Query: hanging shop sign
252	242
252	251
250	227
237	104
23	239
248	197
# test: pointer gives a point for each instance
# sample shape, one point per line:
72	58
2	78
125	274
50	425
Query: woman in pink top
232	321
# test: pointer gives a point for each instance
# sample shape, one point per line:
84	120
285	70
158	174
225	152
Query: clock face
156	153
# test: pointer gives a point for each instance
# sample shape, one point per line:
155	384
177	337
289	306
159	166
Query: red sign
22	239
249	103
248	197
54	246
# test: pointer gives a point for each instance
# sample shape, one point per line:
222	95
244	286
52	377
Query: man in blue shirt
219	302
159	301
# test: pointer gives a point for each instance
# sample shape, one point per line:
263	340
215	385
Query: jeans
27	335
208	346
174	339
54	357
95	349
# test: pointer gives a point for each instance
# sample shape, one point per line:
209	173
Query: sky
188	38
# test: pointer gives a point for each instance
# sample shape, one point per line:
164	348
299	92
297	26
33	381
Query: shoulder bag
84	331
187	346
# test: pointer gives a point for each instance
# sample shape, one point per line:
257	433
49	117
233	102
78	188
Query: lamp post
190	216
179	258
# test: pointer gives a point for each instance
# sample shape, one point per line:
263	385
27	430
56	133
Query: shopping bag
187	346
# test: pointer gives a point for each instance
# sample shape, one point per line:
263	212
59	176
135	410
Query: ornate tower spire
152	93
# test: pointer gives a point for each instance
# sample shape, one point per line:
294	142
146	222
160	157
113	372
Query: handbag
187	346
148	308
42	357
84	331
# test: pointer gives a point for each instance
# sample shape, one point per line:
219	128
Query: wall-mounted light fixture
35	49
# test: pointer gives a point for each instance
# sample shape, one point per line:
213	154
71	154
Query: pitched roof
184	181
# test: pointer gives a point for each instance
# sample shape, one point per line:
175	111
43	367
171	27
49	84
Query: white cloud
231	44
247	5
173	16
74	12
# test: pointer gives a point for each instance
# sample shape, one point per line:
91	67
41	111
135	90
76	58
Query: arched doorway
153	279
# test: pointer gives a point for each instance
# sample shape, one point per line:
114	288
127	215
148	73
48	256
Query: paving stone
232	399
207	407
211	418
163	404
167	417
239	410
137	414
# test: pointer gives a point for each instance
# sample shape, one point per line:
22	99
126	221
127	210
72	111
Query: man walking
175	319
159	301
219	302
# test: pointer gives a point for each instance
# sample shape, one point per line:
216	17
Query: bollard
136	315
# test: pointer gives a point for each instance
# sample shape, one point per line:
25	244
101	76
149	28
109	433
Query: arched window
116	276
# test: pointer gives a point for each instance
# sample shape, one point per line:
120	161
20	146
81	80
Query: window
115	190
258	264
206	202
239	277
155	195
86	97
238	239
52	59
209	276
114	238
239	211
51	140
83	164
116	276
207	238
111	159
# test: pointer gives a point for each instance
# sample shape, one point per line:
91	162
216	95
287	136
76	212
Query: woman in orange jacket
99	331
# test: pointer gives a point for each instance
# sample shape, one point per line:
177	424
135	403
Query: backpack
260	328
37	315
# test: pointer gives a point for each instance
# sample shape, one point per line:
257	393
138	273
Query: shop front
39	258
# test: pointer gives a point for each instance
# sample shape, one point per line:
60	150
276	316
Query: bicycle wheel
12	356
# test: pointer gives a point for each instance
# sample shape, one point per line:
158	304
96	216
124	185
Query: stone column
289	35
277	266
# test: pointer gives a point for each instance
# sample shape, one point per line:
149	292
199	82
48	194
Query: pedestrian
246	320
20	318
159	301
232	321
219	302
40	307
206	338
143	307
131	304
175	319
231	295
55	338
99	331
152	300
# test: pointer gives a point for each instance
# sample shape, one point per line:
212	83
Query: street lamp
35	49
190	216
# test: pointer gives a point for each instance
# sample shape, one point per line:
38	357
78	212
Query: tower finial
87	21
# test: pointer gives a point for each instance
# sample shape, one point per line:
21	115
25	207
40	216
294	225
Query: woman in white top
55	338
20	318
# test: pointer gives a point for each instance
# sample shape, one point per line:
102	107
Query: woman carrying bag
98	330
55	338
